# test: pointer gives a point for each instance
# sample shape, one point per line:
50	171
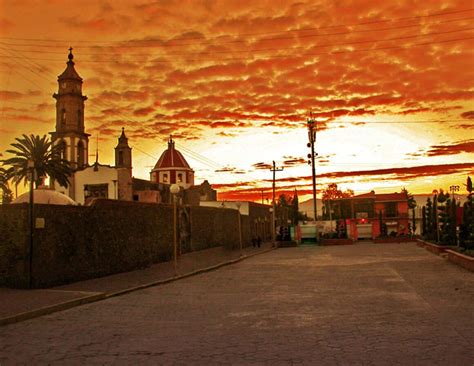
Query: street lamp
453	189
240	226
31	175
175	189
312	127
435	208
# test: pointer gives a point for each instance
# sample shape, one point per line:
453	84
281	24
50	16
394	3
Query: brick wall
82	242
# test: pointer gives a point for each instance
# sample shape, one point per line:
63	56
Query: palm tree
4	186
411	206
46	157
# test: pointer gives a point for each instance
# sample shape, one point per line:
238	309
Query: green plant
429	228
5	175
45	156
466	232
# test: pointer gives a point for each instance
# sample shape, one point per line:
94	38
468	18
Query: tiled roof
70	72
171	158
391	197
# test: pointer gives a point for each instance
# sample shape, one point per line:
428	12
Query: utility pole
312	127
274	169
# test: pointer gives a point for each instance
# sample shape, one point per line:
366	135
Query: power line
259	49
254	34
385	48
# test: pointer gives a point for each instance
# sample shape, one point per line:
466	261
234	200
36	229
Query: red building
370	215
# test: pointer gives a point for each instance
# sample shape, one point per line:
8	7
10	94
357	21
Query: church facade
89	182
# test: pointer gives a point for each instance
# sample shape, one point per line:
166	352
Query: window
79	118
364	209
63	149
391	209
120	158
96	191
180	177
80	154
165	178
63	116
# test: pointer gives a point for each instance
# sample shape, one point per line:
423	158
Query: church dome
171	158
172	168
45	196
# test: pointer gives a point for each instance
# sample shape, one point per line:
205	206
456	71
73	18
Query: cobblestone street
364	304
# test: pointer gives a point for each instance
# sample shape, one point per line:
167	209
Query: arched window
80	154
165	178
79	118
120	158
180	177
63	116
63	149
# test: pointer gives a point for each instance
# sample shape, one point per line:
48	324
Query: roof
70	72
171	158
391	197
122	140
371	194
45	196
382	197
144	185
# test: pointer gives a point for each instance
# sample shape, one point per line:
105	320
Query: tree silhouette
429	228
411	206
331	193
46	157
5	176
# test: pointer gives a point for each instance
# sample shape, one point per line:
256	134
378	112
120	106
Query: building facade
370	215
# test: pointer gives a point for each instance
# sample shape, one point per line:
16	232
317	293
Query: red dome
171	158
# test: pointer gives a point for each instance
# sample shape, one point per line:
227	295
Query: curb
103	296
185	275
51	309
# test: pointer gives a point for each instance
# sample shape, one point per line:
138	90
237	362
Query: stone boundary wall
461	259
83	242
13	245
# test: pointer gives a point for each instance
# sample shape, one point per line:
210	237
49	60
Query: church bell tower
123	153
70	117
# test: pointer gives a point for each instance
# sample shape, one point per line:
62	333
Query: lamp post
311	124
31	175
175	189
435	208
240	226
453	189
274	169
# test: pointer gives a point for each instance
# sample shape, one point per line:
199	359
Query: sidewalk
18	305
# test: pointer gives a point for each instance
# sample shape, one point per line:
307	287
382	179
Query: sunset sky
389	82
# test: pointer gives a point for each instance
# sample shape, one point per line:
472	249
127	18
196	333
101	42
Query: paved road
365	304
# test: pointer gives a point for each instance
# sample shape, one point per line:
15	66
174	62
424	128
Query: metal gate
364	231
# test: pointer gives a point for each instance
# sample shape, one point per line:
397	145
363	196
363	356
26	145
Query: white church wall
103	175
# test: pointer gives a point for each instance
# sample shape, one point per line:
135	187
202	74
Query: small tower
123	153
70	117
172	168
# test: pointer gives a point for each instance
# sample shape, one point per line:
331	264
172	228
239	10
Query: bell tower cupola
70	129
123	153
